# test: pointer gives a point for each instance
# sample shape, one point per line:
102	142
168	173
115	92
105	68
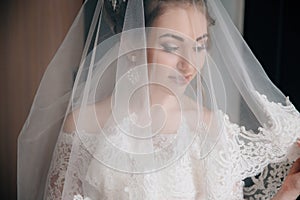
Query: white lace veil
114	93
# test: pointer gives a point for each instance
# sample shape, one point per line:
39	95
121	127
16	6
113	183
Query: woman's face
176	46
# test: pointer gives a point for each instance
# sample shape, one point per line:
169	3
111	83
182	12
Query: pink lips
182	80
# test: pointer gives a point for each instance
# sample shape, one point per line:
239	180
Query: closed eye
199	48
169	48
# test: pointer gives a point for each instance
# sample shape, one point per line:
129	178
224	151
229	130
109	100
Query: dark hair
152	9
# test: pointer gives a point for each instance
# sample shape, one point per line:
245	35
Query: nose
184	67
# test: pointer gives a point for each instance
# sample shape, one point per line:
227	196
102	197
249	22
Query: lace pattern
69	165
239	154
265	185
58	168
283	132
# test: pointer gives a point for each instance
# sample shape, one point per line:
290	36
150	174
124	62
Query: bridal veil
102	93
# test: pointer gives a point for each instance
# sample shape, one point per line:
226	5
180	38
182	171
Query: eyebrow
202	37
181	39
172	36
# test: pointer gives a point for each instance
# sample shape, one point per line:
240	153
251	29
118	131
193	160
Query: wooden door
30	33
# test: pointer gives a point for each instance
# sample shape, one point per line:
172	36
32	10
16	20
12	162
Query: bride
168	102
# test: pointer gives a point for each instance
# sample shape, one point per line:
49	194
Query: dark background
271	29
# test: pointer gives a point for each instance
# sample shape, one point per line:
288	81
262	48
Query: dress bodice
238	154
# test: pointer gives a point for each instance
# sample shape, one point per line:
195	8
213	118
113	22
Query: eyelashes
171	48
200	48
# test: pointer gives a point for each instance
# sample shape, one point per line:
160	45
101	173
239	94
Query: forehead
188	21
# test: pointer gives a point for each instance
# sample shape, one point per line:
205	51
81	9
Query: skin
187	35
291	186
174	46
177	22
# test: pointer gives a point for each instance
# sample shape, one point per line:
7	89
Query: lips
188	77
181	79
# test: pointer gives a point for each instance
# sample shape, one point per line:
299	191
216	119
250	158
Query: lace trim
270	151
69	164
265	185
284	130
254	151
58	168
241	154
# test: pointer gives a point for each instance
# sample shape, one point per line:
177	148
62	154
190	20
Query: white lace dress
239	154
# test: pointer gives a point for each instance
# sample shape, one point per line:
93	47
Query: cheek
198	62
162	58
197	65
160	65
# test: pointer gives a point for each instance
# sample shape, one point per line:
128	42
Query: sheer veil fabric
160	100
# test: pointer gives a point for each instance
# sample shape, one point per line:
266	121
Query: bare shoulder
90	117
103	110
69	124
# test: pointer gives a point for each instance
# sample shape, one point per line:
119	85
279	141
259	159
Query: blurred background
32	30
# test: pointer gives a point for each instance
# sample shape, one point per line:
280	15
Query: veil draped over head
151	82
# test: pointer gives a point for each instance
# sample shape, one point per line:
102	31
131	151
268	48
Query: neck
163	97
